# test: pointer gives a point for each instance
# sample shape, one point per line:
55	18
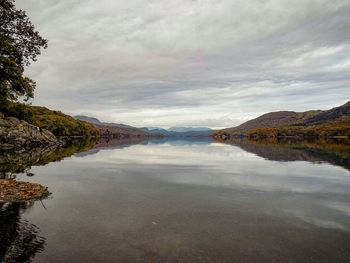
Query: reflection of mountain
180	132
110	144
121	143
19	239
181	141
335	152
107	143
20	162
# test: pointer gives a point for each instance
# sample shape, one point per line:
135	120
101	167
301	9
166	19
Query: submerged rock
16	191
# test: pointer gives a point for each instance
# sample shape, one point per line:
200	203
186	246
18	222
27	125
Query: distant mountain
181	131
98	122
155	130
202	133
126	130
333	122
87	119
115	129
189	129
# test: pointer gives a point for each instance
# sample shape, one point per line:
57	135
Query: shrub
19	111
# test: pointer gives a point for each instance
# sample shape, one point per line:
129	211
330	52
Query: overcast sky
210	63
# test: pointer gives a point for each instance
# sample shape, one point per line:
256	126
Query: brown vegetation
14	191
57	122
330	123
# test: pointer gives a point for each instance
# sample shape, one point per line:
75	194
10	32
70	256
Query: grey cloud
180	62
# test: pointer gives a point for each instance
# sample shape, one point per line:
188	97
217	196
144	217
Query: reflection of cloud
226	166
308	194
313	220
224	194
190	62
342	207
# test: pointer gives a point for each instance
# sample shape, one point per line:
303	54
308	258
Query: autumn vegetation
333	129
57	122
317	124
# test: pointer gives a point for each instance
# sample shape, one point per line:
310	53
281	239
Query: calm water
183	201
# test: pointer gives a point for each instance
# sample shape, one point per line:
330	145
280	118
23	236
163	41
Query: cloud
179	62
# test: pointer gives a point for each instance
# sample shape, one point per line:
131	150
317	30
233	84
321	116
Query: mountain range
313	123
181	131
108	128
114	129
98	122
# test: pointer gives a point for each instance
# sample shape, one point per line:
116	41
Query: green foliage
61	124
19	111
19	45
57	122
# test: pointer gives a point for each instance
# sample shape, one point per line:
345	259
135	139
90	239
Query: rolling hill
315	123
274	119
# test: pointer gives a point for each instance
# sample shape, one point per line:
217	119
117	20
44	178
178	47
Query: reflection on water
334	151
19	238
184	201
12	162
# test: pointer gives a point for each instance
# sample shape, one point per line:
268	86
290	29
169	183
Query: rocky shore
18	134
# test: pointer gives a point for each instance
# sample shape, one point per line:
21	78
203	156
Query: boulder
20	134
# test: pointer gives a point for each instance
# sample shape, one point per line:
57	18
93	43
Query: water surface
183	201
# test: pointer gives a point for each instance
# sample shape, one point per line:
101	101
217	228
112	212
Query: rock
6	146
4	123
20	134
13	120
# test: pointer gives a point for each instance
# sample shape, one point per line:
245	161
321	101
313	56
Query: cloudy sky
210	63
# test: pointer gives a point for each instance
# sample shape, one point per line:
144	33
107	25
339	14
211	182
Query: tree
20	44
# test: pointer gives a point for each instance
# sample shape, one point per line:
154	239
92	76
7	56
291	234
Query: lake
180	200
